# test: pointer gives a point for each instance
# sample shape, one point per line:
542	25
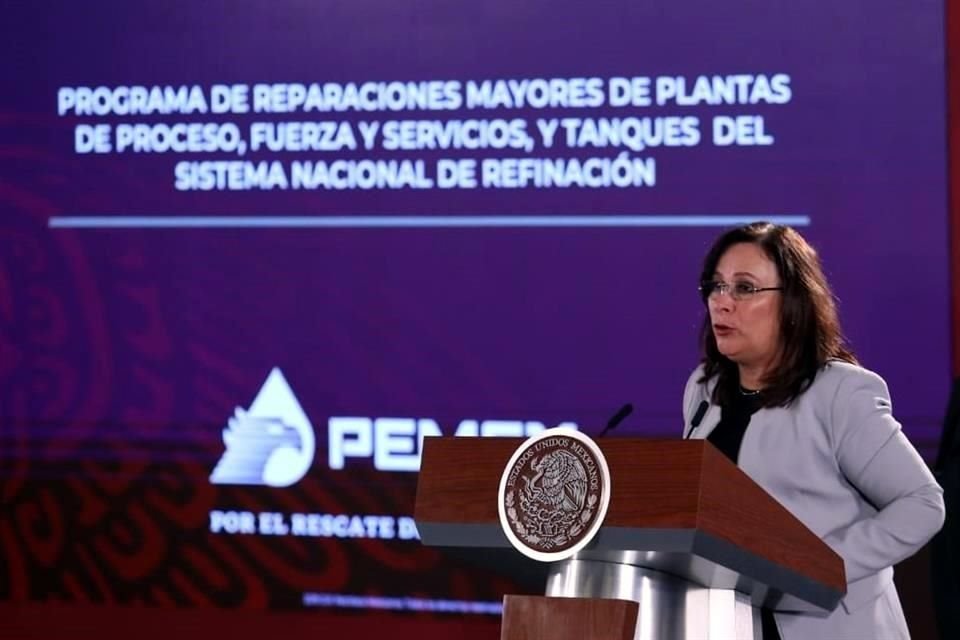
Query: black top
727	436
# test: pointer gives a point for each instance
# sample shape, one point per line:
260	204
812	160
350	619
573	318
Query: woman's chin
727	349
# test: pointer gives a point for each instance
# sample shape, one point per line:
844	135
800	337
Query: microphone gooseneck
617	418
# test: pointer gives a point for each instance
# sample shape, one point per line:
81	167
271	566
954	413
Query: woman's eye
743	288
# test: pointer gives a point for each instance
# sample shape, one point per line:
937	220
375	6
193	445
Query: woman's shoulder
697	381
694	391
837	375
696	375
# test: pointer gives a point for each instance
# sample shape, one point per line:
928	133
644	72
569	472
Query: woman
787	402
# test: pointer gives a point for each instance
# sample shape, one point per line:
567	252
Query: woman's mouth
722	329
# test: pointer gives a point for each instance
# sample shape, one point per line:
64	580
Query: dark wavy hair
810	333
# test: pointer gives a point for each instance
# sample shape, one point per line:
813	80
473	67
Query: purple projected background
124	351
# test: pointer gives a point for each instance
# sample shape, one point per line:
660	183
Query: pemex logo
272	443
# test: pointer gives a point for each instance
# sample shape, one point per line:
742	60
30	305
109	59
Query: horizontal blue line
420	222
401	603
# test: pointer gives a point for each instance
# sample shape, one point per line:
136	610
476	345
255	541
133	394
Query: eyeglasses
737	290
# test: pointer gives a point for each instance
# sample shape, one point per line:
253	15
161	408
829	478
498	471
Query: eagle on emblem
560	481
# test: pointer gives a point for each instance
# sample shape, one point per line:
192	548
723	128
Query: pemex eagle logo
272	443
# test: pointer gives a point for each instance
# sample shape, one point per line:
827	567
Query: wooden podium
690	547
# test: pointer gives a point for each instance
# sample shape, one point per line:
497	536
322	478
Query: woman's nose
720	301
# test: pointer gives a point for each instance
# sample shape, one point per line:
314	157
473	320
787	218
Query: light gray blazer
837	460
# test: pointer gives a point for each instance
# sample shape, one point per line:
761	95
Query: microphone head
619	417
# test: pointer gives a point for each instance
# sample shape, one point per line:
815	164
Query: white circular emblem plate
554	494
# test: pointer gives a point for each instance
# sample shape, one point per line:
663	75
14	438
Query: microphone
698	417
617	418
